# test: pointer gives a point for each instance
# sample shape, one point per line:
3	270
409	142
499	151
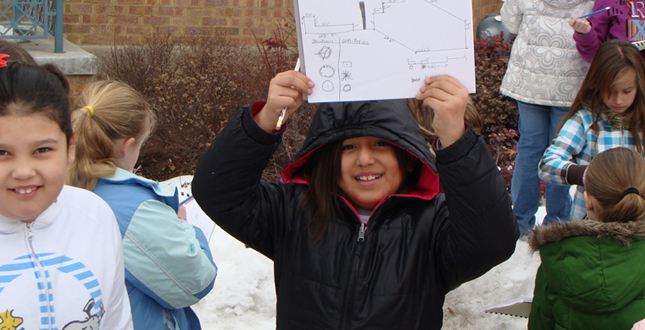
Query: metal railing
32	19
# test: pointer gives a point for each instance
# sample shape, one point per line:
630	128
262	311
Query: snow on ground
243	297
515	278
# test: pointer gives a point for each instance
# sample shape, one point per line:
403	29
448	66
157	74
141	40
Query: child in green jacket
593	271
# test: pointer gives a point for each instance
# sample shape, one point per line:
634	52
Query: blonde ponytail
110	110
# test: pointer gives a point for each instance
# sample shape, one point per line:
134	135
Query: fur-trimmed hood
622	232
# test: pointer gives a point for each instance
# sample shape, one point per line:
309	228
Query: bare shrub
193	89
196	86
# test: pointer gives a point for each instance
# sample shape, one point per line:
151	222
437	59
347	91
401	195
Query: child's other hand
448	98
285	90
580	25
639	326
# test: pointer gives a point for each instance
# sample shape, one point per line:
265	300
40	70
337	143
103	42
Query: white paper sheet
194	214
372	50
196	217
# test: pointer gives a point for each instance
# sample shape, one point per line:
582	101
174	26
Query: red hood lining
426	188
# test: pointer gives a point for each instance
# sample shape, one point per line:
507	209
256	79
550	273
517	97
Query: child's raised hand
448	98
285	90
580	25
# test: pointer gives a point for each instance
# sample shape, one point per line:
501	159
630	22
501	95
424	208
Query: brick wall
77	85
103	22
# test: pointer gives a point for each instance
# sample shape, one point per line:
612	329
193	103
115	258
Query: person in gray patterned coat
544	74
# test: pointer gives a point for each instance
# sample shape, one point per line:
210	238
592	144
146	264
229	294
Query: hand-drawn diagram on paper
383	49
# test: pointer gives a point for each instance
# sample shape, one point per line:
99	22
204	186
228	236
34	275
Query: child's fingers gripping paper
448	98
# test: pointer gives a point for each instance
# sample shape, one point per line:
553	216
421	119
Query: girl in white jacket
61	265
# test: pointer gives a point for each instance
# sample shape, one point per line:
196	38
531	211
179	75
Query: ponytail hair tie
90	110
630	190
3	60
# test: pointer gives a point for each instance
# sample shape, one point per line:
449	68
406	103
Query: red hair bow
3	60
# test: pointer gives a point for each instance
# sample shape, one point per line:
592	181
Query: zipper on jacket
361	232
41	270
349	297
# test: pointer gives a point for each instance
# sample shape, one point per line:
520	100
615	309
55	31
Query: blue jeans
538	125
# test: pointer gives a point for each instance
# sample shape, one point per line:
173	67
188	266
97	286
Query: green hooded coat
592	276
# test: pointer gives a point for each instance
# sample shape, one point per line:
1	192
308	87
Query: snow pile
243	297
464	307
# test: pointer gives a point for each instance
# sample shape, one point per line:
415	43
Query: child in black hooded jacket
360	235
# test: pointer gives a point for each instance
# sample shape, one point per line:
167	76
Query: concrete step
79	66
73	61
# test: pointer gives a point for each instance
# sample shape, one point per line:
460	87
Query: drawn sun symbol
346	75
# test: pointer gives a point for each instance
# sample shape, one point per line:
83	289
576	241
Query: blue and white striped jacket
64	270
168	264
577	143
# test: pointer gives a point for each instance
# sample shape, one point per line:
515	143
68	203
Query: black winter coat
417	247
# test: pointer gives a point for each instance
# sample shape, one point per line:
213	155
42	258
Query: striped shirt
577	143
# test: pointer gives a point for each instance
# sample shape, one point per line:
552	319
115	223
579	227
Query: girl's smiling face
33	159
622	92
370	170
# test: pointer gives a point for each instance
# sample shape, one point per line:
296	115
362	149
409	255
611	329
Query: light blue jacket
168	264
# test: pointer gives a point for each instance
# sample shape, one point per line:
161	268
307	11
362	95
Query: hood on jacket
390	120
623	232
594	266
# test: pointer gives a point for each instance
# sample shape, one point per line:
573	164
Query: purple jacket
625	20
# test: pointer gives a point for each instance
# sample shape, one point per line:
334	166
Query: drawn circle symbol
327	86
